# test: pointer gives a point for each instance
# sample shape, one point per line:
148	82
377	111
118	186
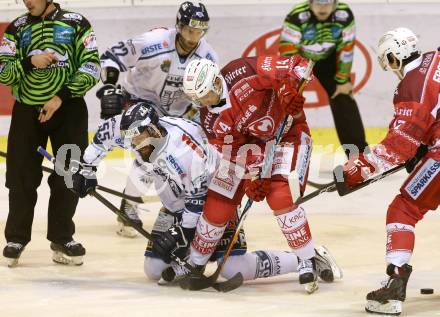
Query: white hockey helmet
401	42
199	78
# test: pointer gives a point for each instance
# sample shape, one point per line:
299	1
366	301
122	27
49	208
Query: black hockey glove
111	100
412	162
84	180
175	240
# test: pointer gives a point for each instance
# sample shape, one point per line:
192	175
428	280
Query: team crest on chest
262	126
165	66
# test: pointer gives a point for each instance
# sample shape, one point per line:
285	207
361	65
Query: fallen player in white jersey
176	153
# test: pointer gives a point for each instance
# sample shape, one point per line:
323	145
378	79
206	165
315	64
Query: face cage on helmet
151	129
218	91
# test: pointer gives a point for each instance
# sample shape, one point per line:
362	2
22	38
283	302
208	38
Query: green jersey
69	37
303	33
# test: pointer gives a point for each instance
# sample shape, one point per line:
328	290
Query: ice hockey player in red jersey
242	107
415	128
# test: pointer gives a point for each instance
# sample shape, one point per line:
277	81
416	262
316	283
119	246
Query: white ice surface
111	282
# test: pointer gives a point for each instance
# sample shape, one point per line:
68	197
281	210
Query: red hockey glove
257	189
290	101
356	171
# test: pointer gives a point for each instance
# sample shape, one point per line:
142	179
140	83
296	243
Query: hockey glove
290	101
257	189
175	240
111	100
84	180
412	162
356	171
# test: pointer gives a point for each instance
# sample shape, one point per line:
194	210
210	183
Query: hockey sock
260	264
400	243
205	241
295	227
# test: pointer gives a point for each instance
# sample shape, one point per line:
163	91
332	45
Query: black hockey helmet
138	118
193	14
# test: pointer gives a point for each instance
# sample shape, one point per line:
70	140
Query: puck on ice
426	291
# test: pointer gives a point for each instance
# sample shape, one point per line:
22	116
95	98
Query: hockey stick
227	284
194	284
342	188
136	199
318	185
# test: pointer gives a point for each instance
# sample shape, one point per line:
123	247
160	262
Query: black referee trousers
348	122
68	125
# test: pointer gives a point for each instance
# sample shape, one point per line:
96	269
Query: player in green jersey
324	31
50	59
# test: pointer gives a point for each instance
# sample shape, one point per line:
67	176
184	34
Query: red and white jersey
250	111
416	114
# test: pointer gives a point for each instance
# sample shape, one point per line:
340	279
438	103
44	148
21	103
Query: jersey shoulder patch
343	14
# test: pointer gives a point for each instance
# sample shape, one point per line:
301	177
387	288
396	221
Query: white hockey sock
295	227
154	267
400	243
260	264
205	241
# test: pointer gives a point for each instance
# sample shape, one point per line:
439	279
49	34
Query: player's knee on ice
246	264
153	268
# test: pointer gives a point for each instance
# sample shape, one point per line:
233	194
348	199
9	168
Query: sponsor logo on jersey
165	66
304	16
20	21
423	178
290	35
174	164
7	47
243	92
63	34
26	38
72	16
336	31
262	126
62	60
230	76
90	42
310	33
91	69
403	112
249	111
341	15
267	64
154	48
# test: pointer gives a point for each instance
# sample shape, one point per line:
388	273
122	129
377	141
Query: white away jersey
154	69
184	163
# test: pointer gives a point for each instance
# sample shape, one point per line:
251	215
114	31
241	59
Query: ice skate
307	275
388	299
70	253
326	266
125	229
12	252
178	274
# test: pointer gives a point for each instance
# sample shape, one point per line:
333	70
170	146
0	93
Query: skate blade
311	287
126	231
61	258
392	307
325	253
12	262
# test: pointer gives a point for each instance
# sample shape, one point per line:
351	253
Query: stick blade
234	282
